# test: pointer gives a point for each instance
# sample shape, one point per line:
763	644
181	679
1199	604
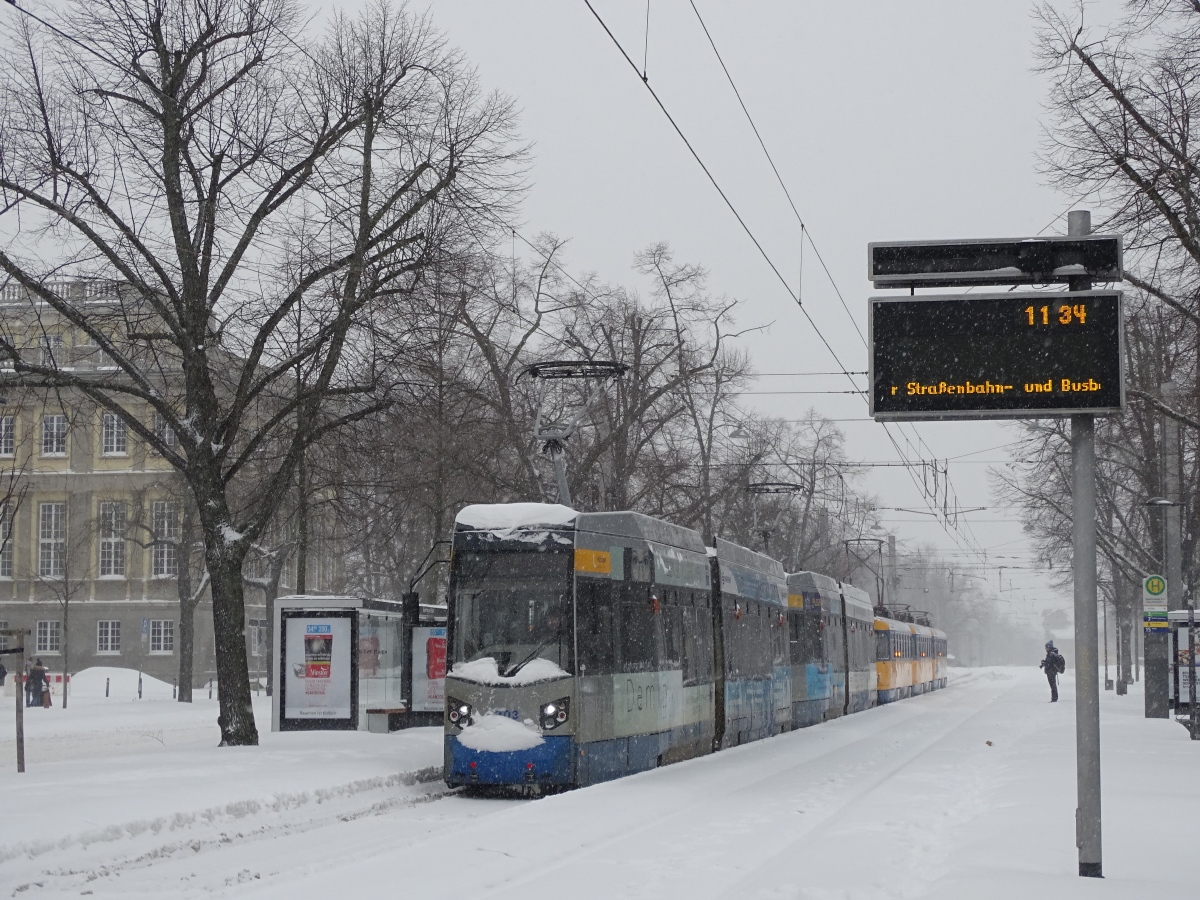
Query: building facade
91	517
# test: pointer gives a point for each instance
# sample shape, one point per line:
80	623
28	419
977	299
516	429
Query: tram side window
638	640
672	625
697	646
735	636
779	637
597	643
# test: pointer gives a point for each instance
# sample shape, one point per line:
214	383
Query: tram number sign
1154	593
986	356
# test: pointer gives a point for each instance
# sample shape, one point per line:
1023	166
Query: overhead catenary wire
774	268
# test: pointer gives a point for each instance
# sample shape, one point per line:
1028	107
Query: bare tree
252	196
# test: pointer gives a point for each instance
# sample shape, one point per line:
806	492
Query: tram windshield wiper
513	670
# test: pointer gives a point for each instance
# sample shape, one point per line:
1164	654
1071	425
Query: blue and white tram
587	646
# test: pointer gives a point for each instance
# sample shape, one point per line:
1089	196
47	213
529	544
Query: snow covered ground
126	798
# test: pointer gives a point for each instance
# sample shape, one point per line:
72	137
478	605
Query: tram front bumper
551	762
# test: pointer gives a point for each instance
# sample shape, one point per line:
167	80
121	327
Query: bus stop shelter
351	663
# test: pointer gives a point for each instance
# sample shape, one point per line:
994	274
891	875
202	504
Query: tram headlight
555	713
458	713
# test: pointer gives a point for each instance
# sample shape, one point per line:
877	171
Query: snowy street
908	800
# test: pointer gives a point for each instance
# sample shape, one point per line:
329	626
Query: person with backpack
1053	665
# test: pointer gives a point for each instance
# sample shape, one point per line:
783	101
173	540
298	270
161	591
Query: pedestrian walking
1053	665
3	673
40	685
29	683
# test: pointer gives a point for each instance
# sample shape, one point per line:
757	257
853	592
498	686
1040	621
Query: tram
588	646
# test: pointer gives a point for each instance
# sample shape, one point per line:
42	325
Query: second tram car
587	646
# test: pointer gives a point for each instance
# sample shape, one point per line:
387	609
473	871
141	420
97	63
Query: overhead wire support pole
1087	662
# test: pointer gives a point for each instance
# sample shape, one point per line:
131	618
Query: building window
51	349
54	435
8	435
112	539
164	432
49	636
108	636
258	636
166	536
6	540
116	440
162	636
52	539
3	637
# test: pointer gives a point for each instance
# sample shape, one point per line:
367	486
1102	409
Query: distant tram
588	646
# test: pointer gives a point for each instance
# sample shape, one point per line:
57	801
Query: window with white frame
54	435
52	349
112	539
3	637
166	537
164	432
49	636
258	636
115	437
162	636
8	435
6	540
108	636
52	539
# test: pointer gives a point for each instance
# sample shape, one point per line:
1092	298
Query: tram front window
514	607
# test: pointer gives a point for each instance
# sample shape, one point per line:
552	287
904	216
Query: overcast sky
888	121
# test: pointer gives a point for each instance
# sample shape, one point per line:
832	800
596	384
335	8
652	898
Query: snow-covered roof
504	518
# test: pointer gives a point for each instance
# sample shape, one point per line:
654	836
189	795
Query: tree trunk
236	717
187	646
66	641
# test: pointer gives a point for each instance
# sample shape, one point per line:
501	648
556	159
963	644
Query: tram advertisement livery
587	646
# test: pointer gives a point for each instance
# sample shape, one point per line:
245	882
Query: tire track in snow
223	826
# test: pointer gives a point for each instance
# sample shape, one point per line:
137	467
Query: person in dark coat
1053	665
38	684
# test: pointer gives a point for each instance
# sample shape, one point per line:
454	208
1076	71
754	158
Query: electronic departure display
987	356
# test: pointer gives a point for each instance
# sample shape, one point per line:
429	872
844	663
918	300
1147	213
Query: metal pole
558	455
1108	685
1192	671
1087	670
1157	641
18	680
1087	663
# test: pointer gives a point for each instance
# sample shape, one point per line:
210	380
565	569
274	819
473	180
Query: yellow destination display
997	355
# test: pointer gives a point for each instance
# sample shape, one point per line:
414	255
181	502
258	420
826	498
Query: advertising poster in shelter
317	667
429	669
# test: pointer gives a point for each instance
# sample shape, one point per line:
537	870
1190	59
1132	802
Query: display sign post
1026	355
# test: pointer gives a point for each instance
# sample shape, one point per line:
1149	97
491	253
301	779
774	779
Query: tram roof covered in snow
502	519
858	603
812	590
750	574
643	527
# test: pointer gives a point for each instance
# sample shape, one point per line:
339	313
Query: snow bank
504	518
485	671
122	684
499	734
